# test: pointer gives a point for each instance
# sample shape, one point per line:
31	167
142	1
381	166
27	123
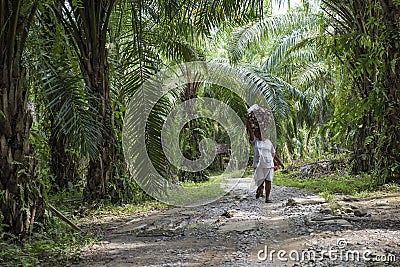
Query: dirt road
297	229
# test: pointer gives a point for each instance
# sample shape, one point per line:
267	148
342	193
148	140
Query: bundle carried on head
260	119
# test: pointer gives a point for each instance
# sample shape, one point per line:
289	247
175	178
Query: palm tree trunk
18	205
389	150
101	168
20	197
63	165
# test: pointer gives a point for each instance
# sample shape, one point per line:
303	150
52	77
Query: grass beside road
355	185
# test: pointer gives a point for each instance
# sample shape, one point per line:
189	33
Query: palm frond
241	39
69	102
284	46
276	92
288	68
176	48
310	74
208	15
139	61
142	136
266	28
341	14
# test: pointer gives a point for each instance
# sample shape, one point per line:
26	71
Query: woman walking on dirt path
264	151
263	164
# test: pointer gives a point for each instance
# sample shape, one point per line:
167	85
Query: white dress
263	161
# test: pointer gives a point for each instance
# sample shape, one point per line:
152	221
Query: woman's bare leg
260	190
268	185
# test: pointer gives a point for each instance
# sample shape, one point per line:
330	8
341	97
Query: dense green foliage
365	40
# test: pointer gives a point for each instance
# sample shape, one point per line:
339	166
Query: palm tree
285	46
166	33
20	194
369	53
88	21
171	33
62	100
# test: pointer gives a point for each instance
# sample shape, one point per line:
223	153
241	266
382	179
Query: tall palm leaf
267	28
69	103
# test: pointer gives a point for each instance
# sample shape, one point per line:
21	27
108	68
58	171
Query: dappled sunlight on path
239	230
